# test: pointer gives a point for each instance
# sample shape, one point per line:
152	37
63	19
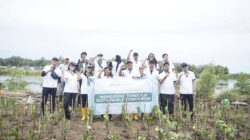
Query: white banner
137	95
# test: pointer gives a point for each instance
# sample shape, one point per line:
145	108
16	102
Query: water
34	83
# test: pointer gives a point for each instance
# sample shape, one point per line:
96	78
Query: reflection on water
35	83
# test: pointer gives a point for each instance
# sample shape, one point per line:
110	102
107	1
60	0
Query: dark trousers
189	98
84	98
167	100
69	100
45	93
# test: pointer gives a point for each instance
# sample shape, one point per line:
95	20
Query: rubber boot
84	112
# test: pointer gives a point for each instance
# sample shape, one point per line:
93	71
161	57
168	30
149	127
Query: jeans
45	93
167	100
69	100
189	98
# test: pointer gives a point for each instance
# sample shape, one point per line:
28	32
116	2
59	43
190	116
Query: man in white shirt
99	64
151	72
136	63
51	77
82	62
129	72
167	89
63	67
186	80
165	59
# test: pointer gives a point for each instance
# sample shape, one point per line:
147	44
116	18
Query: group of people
74	79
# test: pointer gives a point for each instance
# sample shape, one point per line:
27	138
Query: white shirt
167	87
48	81
136	65
146	65
186	82
64	67
99	68
152	76
86	84
130	74
114	72
71	81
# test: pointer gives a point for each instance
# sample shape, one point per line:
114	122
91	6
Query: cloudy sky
194	31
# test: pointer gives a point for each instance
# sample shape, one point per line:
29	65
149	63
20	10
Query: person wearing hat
70	78
63	67
86	78
152	74
136	63
129	72
186	80
51	77
167	89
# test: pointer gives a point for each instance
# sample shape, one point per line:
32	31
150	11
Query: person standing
151	57
63	67
99	64
86	78
82	63
70	78
136	63
165	59
116	66
186	80
167	81
129	72
51	77
106	73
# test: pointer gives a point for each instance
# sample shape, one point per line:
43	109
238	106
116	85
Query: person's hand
131	51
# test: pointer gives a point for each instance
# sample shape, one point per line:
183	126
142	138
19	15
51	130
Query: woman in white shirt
71	88
86	78
106	74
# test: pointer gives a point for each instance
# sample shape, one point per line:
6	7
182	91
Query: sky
193	31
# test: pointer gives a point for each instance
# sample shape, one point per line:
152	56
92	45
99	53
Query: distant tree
207	82
243	84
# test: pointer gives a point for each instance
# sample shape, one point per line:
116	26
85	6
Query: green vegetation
16	82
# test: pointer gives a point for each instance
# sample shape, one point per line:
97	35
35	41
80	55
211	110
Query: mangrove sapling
149	120
113	136
106	118
161	133
33	135
13	132
143	127
65	127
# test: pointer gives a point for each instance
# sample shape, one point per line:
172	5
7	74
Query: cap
55	59
184	65
128	62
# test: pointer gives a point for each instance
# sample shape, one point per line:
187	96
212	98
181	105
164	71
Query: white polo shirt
64	67
48	81
86	84
167	87
186	82
71	81
136	65
130	74
152	76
